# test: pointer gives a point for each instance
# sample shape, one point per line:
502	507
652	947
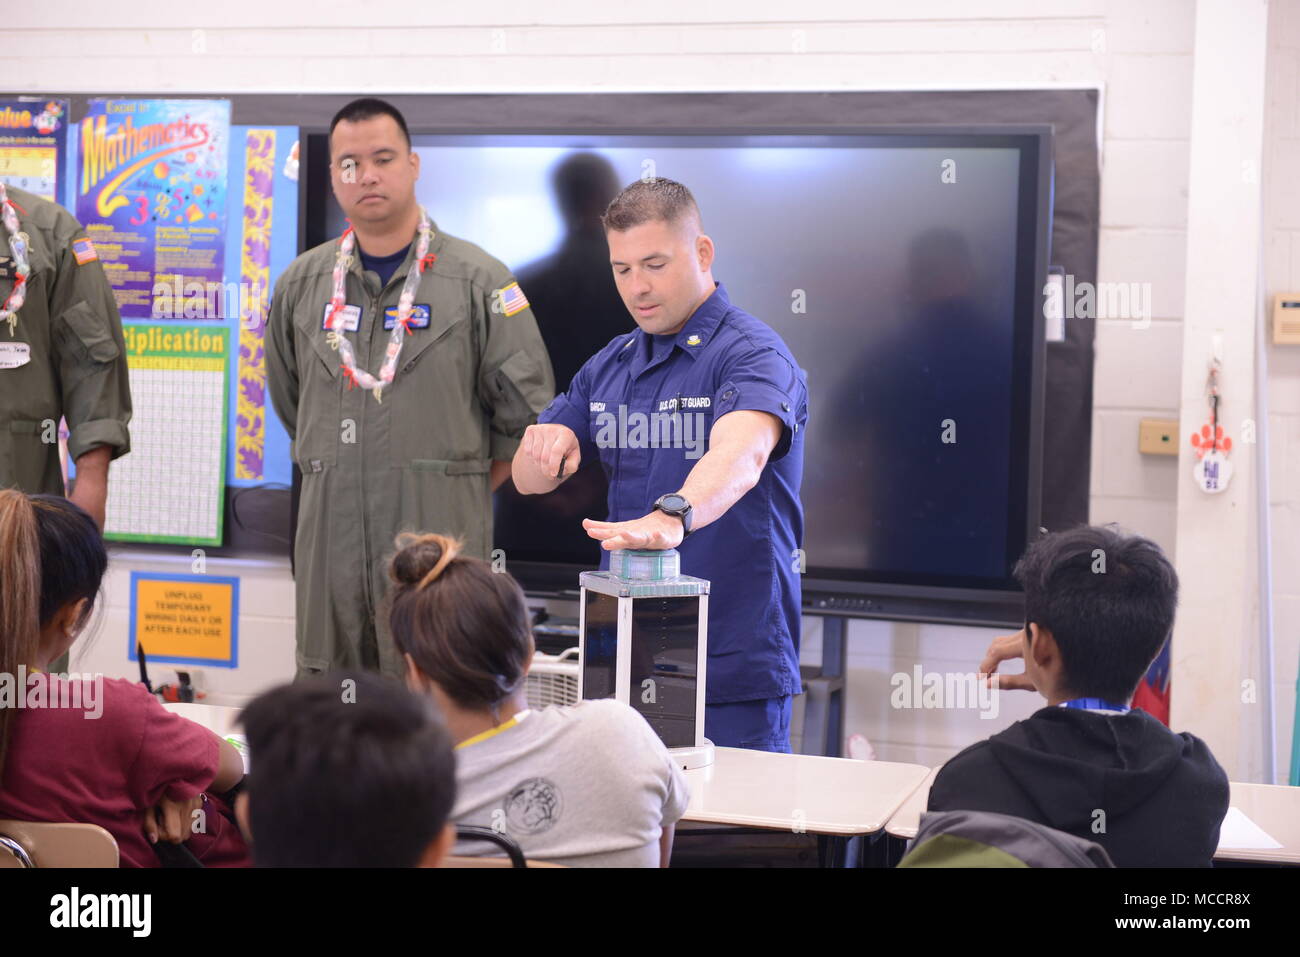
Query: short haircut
650	200
465	626
1107	598
359	775
364	109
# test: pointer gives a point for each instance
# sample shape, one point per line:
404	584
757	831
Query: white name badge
14	354
351	318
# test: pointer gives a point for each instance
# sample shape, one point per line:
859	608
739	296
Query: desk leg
886	850
834	665
835	850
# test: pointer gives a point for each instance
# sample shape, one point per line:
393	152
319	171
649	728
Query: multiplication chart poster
171	486
151	192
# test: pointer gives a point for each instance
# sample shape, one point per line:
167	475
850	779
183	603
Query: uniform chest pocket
683	423
433	407
607	430
320	392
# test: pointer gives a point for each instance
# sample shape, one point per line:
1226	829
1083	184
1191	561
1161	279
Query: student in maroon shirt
89	749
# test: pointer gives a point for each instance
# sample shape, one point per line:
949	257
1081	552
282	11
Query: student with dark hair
87	749
1099	605
587	785
348	770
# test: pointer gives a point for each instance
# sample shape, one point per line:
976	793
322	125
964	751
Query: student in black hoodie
1099	605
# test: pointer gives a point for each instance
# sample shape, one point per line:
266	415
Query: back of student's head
465	626
51	557
346	770
1107	598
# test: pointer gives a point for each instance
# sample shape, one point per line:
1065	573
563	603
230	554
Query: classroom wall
1139	53
1282	274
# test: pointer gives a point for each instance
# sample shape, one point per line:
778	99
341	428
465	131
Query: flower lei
18	246
338	341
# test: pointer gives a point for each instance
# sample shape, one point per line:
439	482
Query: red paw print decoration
1213	468
1207	439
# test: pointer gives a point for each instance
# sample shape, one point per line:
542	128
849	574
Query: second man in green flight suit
405	394
62	355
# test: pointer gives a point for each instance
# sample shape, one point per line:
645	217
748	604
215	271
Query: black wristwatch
674	504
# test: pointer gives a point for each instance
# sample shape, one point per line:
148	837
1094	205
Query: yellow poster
190	619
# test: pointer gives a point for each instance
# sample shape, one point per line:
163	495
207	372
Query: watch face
674	502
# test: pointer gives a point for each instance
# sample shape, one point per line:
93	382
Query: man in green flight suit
61	355
403	417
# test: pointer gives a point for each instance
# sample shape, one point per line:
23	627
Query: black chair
470	832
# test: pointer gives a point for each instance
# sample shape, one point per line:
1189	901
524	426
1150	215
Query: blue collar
704	322
694	336
1094	704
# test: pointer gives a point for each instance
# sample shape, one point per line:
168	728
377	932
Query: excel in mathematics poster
151	191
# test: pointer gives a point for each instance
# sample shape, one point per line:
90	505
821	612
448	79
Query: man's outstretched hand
656	530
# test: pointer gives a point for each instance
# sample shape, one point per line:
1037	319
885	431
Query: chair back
41	844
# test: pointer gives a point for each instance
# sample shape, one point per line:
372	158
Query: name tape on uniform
351	318
686	402
14	354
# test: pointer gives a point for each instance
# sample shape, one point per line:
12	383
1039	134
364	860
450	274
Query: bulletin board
180	399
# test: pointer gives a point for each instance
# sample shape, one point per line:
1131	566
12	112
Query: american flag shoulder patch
84	251
512	299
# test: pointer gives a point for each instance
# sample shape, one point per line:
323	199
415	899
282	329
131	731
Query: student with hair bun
88	749
588	785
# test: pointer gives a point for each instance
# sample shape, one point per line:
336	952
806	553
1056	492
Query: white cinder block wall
1282	275
1138	51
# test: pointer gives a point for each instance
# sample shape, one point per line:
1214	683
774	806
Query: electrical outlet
1158	436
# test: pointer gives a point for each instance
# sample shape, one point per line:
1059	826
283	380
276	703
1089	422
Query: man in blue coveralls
697	371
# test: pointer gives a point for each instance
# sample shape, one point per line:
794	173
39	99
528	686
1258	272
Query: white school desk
1276	809
799	792
839	800
905	821
219	719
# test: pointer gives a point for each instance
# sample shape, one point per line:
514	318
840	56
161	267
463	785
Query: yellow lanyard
492	732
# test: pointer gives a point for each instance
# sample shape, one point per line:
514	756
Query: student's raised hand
171	820
1006	648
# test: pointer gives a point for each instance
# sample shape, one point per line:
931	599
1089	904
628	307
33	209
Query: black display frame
990	601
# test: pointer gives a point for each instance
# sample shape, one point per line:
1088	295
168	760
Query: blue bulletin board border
231	662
